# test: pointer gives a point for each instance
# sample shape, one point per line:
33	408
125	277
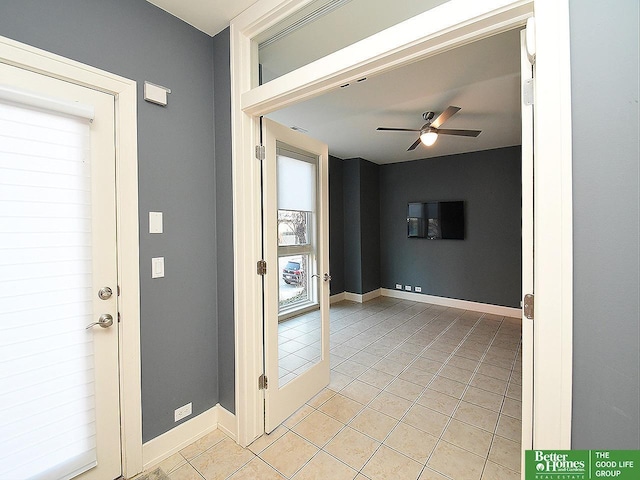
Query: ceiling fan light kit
428	137
430	130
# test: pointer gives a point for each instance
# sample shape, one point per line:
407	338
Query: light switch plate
155	222
157	267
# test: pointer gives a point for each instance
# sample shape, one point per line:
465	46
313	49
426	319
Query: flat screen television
436	220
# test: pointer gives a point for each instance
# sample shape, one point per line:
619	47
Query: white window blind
296	181
47	413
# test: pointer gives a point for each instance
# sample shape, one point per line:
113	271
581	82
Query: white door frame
124	92
452	24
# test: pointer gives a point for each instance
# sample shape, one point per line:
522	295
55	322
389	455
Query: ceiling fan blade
414	145
444	116
389	129
460	133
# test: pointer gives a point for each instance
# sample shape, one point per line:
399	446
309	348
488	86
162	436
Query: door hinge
527	92
262	267
262	382
528	306
260	152
118	317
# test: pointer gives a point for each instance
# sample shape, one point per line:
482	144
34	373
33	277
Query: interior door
296	285
58	302
527	70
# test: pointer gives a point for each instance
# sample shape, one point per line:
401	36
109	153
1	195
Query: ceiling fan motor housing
428	116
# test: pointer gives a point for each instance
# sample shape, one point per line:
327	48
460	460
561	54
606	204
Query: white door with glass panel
296	245
59	384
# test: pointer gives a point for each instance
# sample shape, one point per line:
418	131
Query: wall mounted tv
436	220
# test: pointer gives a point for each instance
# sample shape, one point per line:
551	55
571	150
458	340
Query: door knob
104	321
105	293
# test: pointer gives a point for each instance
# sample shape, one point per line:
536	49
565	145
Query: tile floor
417	392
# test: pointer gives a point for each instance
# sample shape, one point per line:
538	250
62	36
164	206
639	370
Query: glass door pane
301	38
299	347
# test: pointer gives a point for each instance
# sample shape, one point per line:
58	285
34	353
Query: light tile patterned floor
418	392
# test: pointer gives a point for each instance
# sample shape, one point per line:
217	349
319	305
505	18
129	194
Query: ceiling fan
430	130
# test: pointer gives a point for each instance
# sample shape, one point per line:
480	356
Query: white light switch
157	267
155	222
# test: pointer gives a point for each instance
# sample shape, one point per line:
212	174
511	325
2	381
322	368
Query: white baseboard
453	302
165	445
338	297
361	298
227	423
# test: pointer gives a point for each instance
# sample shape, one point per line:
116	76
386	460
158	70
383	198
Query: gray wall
361	226
352	243
484	267
134	39
336	225
224	219
370	225
606	196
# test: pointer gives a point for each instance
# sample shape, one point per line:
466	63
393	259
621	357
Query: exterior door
58	304
296	285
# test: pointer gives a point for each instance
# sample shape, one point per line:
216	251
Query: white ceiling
482	78
208	16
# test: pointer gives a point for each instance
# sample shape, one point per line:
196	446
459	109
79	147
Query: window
297	177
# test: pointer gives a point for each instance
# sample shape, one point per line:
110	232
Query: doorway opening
331	116
398	45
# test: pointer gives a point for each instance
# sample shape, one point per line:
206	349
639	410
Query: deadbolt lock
105	293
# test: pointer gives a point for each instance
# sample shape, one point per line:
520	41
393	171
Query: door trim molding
553	229
124	91
553	216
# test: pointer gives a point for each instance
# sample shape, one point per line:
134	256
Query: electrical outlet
418	289
398	286
182	412
407	288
